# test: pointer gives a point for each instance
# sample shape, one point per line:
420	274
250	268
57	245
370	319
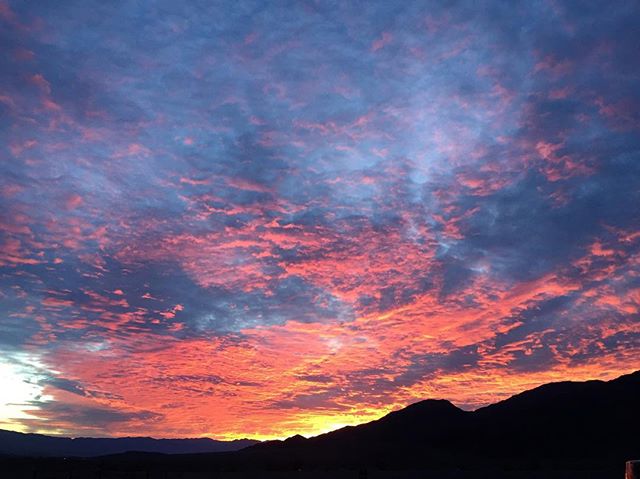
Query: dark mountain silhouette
16	443
569	426
588	423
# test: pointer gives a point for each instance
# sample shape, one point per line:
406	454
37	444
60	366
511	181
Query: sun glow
18	390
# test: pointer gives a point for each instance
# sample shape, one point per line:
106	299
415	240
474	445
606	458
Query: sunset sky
256	219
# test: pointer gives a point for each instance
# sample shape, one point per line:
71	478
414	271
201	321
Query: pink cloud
385	39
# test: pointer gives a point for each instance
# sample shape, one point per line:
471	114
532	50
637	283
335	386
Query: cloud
86	419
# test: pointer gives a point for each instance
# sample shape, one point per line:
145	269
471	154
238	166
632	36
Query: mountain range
583	425
16	443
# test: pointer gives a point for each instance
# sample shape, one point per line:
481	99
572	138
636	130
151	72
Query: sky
257	219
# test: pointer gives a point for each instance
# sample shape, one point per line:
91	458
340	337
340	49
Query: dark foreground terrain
76	470
559	430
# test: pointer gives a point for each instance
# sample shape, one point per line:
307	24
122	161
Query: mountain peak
295	439
432	405
427	409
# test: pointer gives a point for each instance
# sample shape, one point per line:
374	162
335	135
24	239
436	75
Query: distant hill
15	443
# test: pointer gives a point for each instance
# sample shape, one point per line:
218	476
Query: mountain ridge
34	444
563	421
590	421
